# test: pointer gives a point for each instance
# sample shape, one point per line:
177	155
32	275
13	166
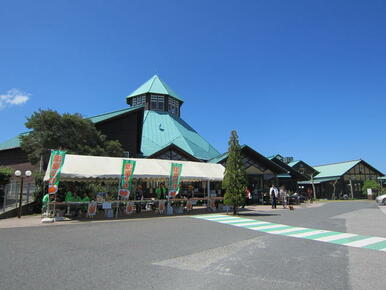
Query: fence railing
10	199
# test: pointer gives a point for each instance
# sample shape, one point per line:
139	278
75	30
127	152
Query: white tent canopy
77	167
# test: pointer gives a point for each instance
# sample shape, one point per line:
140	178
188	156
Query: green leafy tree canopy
235	176
69	132
374	185
5	175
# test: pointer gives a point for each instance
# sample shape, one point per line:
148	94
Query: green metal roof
12	143
318	181
161	129
293	163
223	156
335	169
219	158
106	116
154	85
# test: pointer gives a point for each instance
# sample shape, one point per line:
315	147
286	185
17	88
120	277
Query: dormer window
140	100
173	106
157	103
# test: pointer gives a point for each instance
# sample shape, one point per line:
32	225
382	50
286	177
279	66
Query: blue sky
300	78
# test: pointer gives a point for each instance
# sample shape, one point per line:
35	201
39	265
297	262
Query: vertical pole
17	190
117	209
208	190
6	192
20	197
313	185
28	191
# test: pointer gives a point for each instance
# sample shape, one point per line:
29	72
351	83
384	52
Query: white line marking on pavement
232	221
222	218
365	242
293	229
266	227
252	223
335	237
301	235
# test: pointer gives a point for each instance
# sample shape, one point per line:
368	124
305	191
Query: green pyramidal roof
161	129
154	85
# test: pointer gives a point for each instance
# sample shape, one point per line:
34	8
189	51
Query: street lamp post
28	173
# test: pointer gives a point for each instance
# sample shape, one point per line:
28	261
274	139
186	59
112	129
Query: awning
284	175
319	180
78	167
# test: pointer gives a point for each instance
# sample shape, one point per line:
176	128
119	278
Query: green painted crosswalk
339	238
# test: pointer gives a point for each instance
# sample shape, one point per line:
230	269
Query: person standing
160	191
273	193
138	196
45	200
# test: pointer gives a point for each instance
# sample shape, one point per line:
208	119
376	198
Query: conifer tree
235	176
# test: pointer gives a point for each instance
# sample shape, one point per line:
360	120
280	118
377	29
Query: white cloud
13	97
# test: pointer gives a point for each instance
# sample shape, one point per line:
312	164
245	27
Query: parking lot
190	253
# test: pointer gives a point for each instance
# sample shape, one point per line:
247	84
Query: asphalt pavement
187	253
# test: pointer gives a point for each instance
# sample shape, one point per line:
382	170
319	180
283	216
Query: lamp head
17	173
28	173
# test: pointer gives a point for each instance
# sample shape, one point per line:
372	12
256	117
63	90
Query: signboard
92	209
369	191
189	205
129	208
174	179
106	205
161	206
212	204
128	167
56	163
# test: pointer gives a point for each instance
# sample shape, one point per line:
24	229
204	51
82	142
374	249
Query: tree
235	176
375	186
69	132
5	175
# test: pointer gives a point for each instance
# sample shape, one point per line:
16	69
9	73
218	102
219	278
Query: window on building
171	155
157	103
140	100
173	106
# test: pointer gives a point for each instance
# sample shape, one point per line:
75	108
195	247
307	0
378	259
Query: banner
92	208
128	167
174	179
56	163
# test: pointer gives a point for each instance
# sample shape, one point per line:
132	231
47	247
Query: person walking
273	193
283	196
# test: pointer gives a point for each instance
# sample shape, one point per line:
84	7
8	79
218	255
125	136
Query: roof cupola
156	95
